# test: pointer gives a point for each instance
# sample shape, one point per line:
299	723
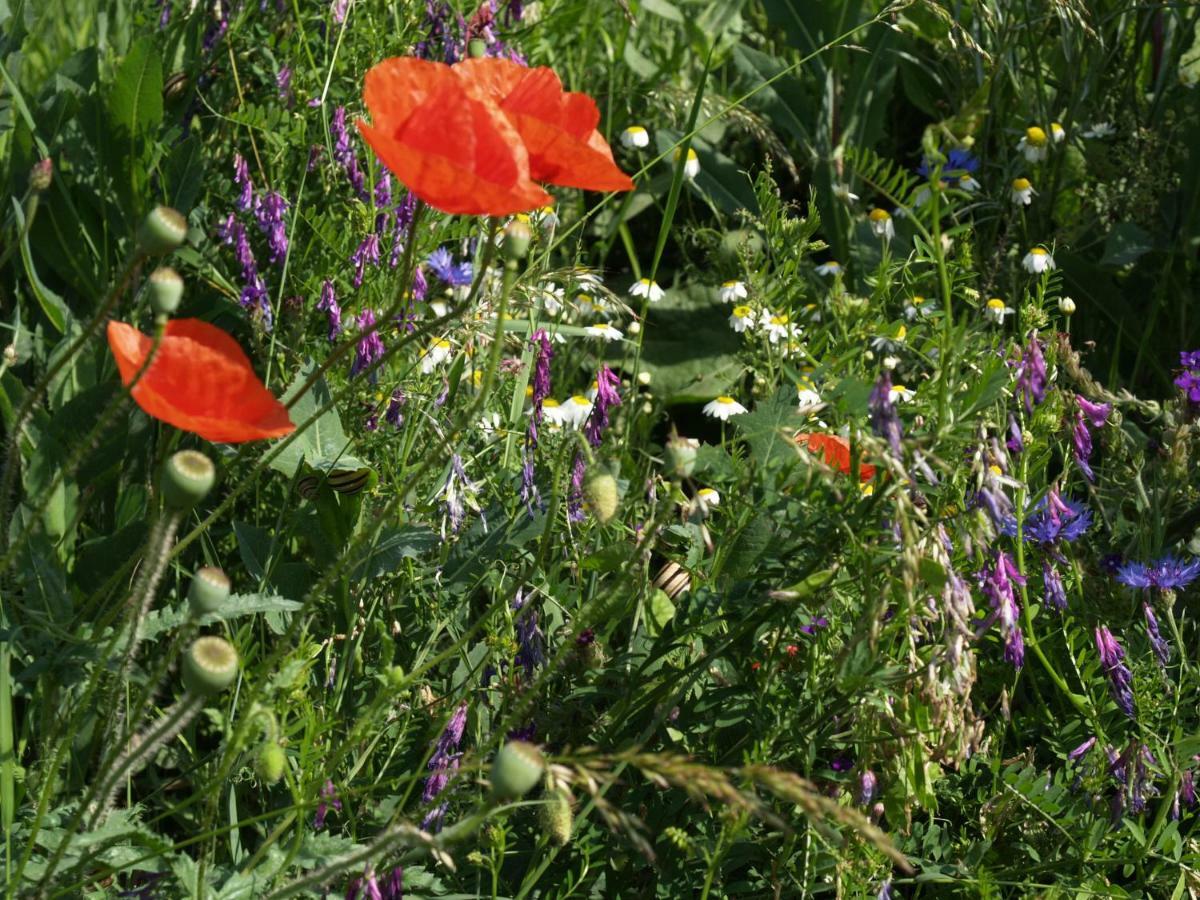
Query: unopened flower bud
1066	306
681	456
634	327
162	231
208	591
477	48
209	666
270	762
166	290
517	236
516	770
558	818
41	175
10	355
187	478
643	377
600	490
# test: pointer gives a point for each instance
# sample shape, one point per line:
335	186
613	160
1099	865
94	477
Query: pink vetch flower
997	582
606	398
370	345
1120	679
329	798
1032	380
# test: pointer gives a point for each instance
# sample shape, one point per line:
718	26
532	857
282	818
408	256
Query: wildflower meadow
600	449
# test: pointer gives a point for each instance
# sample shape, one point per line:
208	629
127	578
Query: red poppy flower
455	151
835	450
200	381
557	126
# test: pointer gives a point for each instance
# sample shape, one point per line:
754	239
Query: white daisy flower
917	307
968	183
807	397
1038	260
881	224
1100	131
723	407
546	217
1022	191
576	411
585	279
1033	144
1057	132
900	394
644	287
552	412
605	331
891	362
489	424
691	166
885	343
742	318
635	137
552	299
776	326
709	496
731	291
842	192
434	355
833	267
995	311
1066	306
812	312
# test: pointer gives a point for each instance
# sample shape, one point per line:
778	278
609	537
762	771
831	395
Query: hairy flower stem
29	404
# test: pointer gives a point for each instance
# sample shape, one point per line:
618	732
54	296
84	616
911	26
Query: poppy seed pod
187	478
162	231
681	456
601	492
166	290
208	591
516	770
209	666
477	48
558	818
270	762
517	236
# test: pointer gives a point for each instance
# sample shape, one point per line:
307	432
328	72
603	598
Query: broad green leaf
321	444
135	98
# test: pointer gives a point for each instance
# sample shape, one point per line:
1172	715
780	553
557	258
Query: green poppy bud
162	231
187	478
516	770
166	290
558	818
270	762
600	491
208	591
681	456
209	666
517	236
477	48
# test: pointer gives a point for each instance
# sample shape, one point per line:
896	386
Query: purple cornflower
366	252
867	783
606	398
1162	650
370	345
442	765
1054	593
885	422
997	582
329	304
575	497
530	640
1031	374
268	212
241	178
1082	750
1120	679
442	264
283	83
329	798
394	416
1167	574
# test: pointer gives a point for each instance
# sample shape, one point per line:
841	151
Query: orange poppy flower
557	126
200	381
835	450
455	151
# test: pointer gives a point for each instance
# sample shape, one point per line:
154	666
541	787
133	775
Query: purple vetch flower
997	582
457	492
366	253
842	762
283	83
394	416
329	798
370	345
996	504
885	891
1081	446
338	10
343	151
1054	593
1120	679
530	495
442	264
1031	374
530	640
606	398
164	17
329	304
1187	787
1188	381
1097	413
314	157
867	784
217	28
885	422
1082	750
513	11
1162	650
241	179
383	190
575	497
1167	574
255	298
268	212
439	41
817	623
1015	442
442	765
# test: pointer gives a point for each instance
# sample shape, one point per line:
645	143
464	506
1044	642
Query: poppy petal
835	451
199	381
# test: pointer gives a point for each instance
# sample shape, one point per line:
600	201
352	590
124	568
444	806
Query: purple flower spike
1031	374
606	398
867	784
885	422
1120	679
241	178
442	764
329	304
1082	750
998	582
370	345
1162	650
329	798
1054	593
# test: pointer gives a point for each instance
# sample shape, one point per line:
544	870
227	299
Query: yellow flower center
706	492
995	303
741	312
729	284
901	333
726	401
779	320
879	215
995	470
548	402
580	400
900	389
636	129
1021	184
1038	251
917	301
1035	136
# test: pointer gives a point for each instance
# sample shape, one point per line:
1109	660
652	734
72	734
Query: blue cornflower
1056	519
1167	574
960	161
442	264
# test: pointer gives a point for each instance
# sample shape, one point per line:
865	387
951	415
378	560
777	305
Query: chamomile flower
1100	131
807	397
1022	191
881	224
1038	260
742	318
968	183
1033	144
605	331
552	299
434	355
776	326
832	267
811	311
887	343
489	424
575	411
591	308
709	496
691	166
644	287
552	412
546	217
842	192
995	311
585	279
917	307
635	137
731	291
723	407
900	394
1057	133
1066	306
